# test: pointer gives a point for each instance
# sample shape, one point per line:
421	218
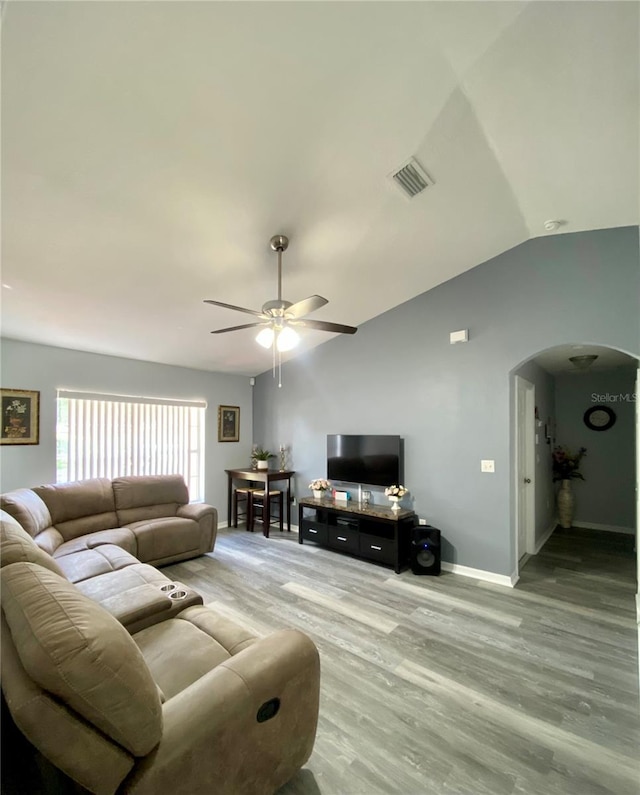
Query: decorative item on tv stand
395	494
262	458
318	487
565	469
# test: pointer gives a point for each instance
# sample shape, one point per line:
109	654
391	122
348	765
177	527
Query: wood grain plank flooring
449	685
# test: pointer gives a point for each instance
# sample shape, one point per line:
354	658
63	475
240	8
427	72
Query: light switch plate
487	466
422	521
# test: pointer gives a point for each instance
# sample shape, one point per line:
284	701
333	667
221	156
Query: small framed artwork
228	423
20	416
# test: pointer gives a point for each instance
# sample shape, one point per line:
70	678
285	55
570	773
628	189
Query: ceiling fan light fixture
287	339
582	362
265	337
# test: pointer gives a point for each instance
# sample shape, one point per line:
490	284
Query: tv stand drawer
376	548
314	531
344	538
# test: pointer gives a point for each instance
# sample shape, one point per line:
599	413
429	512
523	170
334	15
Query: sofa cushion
160	539
74	649
106	585
178	654
57	732
49	540
16	545
117	536
233	637
94	562
148	497
28	509
84	506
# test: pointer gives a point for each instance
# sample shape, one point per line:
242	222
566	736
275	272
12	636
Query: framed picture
228	423
20	416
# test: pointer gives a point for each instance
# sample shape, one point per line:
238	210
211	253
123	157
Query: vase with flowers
566	467
395	494
16	412
318	487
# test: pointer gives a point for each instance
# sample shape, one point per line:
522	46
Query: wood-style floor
447	684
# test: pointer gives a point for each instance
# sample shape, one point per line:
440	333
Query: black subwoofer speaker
425	550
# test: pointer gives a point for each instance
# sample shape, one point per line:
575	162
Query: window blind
109	436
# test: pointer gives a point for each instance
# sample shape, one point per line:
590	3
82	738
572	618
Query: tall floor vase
566	502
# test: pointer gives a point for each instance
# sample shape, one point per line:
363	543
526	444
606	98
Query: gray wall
545	508
452	403
607	496
27	366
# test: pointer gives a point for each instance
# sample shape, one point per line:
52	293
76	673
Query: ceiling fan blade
237	308
322	325
306	306
237	328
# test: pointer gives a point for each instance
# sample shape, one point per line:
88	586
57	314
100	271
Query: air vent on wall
411	178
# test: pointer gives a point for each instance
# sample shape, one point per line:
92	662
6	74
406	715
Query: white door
525	466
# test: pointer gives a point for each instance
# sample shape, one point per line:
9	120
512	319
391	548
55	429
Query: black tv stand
375	533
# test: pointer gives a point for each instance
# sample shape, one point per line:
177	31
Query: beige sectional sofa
117	675
148	516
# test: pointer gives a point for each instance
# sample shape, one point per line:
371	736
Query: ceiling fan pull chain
279	370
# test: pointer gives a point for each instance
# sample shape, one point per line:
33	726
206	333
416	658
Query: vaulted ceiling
151	149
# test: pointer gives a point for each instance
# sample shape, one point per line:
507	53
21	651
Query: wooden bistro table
266	476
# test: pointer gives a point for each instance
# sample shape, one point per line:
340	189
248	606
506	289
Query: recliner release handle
268	710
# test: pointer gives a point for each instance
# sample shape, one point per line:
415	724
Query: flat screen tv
369	460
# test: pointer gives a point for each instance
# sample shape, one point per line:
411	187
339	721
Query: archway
564	392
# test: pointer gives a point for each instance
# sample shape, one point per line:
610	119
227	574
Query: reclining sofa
118	675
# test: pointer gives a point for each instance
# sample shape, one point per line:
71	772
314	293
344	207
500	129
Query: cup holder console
175	591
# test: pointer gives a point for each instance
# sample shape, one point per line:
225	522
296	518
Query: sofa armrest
196	511
214	721
145	605
134	604
207	518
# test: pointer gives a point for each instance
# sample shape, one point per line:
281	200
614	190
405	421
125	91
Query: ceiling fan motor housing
276	308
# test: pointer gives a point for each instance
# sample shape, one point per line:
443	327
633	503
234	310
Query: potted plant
262	457
318	487
395	494
566	467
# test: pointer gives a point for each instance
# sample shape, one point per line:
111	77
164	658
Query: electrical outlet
487	466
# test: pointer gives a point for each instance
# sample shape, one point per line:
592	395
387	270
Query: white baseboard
481	574
609	528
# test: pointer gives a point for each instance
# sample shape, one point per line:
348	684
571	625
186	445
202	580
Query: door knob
527	480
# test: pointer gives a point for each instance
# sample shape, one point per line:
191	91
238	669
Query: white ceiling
556	360
151	149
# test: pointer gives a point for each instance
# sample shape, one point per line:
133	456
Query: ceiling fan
280	317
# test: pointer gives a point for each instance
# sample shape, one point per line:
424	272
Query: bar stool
256	508
243	494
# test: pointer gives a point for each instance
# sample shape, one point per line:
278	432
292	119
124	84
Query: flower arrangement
395	491
319	485
566	463
15	408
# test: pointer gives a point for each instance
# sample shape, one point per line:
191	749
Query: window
113	435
